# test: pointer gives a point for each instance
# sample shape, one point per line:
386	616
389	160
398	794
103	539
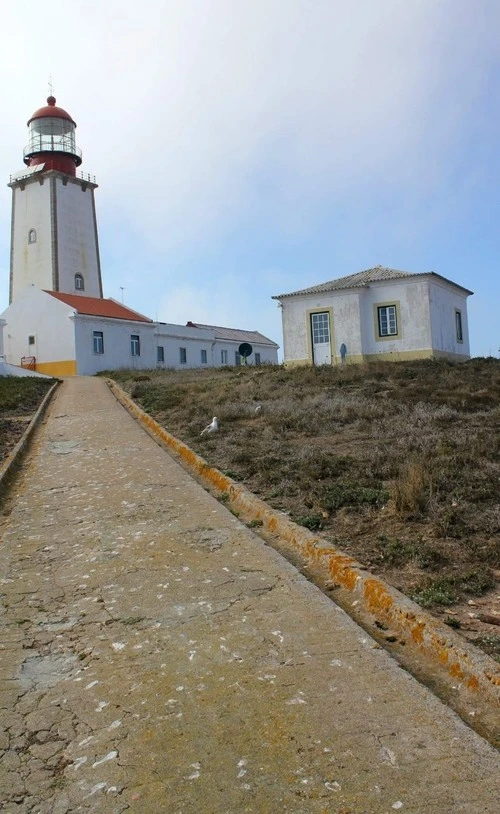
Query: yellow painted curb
14	459
472	677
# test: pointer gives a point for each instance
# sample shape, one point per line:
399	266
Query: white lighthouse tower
54	243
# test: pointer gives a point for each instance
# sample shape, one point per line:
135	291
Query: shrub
310	521
337	495
411	490
441	592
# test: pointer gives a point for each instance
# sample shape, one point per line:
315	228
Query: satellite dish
245	350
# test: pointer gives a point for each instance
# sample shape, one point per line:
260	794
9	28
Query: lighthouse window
79	282
32	236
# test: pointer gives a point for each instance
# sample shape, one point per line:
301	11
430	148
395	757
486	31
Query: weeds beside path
398	464
20	398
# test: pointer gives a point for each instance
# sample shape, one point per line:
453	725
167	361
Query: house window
387	320
135	345
31	340
203	357
32	236
458	325
79	282
237	358
160	353
223	357
98	341
182	356
257	358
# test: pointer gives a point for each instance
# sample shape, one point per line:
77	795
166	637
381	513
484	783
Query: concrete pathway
157	656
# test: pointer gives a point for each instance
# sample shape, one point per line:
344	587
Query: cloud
205	120
198	113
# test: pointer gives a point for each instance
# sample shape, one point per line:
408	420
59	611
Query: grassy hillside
397	464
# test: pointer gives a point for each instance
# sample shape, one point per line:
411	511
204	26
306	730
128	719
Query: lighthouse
54	241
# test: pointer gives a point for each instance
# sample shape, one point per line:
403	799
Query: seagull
211	427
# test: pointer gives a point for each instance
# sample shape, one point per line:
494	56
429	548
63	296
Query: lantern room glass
50	134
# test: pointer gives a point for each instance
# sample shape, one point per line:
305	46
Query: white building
63	334
94	334
378	314
58	321
226	343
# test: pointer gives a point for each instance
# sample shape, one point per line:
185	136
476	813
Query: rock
489	618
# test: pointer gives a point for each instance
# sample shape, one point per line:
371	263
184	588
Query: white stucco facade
30	260
117	344
54	234
423	310
38	325
202	347
77	244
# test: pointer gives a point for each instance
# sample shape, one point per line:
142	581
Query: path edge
13	461
472	677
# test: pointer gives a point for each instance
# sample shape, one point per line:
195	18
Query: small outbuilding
377	314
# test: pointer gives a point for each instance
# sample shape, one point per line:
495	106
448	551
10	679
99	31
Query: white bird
211	427
258	409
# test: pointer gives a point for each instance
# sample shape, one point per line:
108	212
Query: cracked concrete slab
156	655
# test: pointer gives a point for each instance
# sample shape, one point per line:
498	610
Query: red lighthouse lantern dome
52	140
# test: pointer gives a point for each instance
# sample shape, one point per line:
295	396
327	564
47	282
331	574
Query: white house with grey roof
225	344
377	314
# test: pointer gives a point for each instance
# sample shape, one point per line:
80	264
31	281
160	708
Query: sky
245	148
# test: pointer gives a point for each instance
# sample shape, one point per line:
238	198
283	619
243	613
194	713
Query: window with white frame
257	358
31	339
182	356
203	356
223	357
32	236
160	353
79	282
98	342
387	320
321	328
458	325
135	345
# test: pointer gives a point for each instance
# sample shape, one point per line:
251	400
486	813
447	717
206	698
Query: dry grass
19	399
398	464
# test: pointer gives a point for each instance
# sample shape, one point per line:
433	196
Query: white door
320	330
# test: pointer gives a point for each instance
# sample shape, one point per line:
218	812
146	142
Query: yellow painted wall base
397	356
297	362
64	368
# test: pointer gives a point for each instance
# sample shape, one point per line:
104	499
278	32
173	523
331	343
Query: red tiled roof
96	307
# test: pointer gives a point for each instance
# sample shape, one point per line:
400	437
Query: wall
194	340
414	332
297	329
268	354
76	237
443	302
38	314
117	352
31	262
173	337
